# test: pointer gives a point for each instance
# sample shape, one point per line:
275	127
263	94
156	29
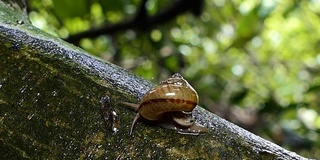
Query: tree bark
50	93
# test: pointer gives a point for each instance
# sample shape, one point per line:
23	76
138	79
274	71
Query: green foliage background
255	63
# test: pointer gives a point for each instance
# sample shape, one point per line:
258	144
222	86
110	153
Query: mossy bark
50	94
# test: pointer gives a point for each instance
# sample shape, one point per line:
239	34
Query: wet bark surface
53	105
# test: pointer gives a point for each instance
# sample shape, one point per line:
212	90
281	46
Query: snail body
170	104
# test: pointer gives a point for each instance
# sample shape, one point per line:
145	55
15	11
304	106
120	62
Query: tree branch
49	99
142	21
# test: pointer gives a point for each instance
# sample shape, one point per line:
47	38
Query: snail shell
172	100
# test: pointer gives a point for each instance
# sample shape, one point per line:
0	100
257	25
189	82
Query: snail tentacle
136	106
135	120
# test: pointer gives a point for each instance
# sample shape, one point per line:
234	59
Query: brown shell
172	95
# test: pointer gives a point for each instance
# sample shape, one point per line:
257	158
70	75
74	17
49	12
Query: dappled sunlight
252	57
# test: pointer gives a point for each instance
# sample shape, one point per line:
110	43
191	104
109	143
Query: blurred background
254	63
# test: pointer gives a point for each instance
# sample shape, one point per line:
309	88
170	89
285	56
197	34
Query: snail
170	105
